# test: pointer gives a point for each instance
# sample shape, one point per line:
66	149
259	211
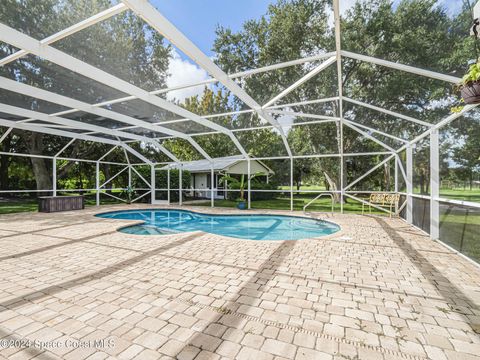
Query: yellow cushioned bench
384	200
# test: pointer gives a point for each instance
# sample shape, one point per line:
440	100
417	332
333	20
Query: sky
198	19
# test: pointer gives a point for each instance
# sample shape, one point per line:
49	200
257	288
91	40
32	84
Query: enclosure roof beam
147	12
8	109
306	102
135	153
64	148
248	72
368	136
369	171
68	134
440	124
34	92
388	112
300	81
303	115
5	134
49	96
406	68
58	57
107	153
313	122
377	131
108	13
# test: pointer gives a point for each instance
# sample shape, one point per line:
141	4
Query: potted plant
235	184
129	192
470	85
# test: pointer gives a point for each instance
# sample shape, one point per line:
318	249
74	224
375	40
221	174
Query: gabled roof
222	163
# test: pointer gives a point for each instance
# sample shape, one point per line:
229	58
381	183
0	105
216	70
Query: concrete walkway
73	287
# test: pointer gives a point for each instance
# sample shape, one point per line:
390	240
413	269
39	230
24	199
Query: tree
123	45
415	32
466	151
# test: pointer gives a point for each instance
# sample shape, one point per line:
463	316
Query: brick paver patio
378	289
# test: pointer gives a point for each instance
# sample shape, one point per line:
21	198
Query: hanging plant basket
471	92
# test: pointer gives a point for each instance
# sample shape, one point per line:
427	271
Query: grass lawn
304	187
460	229
299	201
460	194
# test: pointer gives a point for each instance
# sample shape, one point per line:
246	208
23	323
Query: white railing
318	197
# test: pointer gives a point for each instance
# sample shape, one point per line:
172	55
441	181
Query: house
201	170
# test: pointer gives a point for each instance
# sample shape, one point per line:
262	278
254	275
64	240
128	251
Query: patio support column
248	179
396	173
434	186
97	183
168	186
130	176
291	184
212	182
225	185
336	16
180	172
409	171
54	176
152	184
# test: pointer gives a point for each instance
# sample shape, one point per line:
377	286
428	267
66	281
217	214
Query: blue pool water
252	226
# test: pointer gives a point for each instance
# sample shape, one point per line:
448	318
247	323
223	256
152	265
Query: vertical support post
212	183
336	15
168	186
152	184
396	172
409	171
291	184
248	180
180	172
97	183
130	176
225	185
434	185
396	181
54	176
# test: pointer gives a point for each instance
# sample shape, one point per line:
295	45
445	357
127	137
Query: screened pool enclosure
140	119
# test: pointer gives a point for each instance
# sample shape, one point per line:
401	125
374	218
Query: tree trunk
386	176
39	167
106	173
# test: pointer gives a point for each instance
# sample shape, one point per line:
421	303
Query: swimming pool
251	226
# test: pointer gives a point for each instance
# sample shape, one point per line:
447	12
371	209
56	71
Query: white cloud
286	122
183	72
344	6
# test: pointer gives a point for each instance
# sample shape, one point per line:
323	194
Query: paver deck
378	289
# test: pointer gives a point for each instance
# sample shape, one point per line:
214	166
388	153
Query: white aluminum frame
56	124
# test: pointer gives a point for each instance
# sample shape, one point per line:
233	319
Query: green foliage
254	185
472	75
240	183
123	45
